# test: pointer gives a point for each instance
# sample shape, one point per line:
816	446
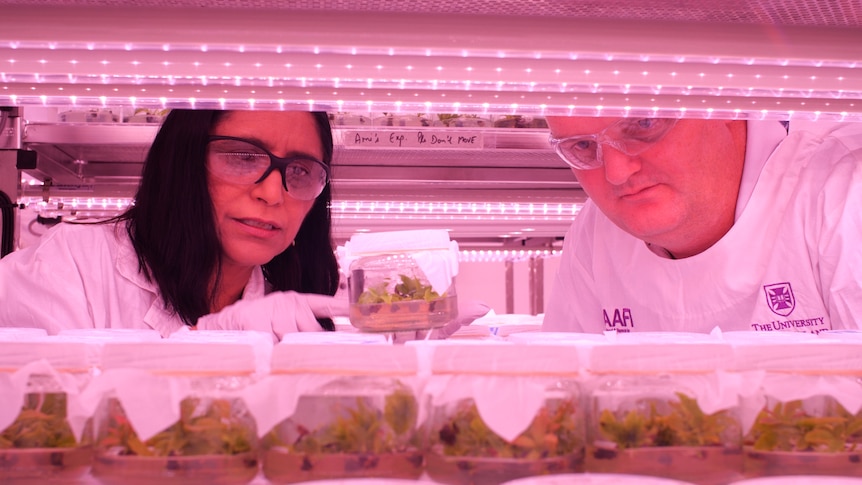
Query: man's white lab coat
791	262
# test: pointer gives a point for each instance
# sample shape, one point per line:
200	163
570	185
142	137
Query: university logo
780	299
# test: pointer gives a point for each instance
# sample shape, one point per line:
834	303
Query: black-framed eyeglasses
631	136
242	161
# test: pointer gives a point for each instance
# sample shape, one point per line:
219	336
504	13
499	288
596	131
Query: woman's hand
280	312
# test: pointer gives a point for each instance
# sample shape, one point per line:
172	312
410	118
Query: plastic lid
260	341
177	356
373	358
72	356
635	357
801	480
812	355
558	338
14	334
658	337
111	334
504	358
747	336
595	479
337	337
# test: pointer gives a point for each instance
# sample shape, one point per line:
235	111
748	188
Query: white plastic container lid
504	358
333	338
111	334
560	338
180	357
363	481
261	342
502	325
62	356
14	334
595	479
801	480
655	356
812	355
333	358
745	336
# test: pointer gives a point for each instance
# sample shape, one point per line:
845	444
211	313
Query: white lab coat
86	276
791	262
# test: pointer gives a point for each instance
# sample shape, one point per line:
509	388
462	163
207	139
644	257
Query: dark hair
172	226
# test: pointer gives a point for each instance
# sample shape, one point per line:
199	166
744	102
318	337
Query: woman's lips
259	227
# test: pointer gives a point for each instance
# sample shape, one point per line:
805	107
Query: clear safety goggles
631	136
242	161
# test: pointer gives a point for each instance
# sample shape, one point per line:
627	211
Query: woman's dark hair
172	224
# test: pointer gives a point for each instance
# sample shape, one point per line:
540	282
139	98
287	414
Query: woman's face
256	222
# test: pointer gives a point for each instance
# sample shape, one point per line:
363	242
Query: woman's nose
271	189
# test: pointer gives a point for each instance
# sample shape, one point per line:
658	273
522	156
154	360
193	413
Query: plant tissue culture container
402	280
352	413
502	411
805	416
41	440
172	413
662	409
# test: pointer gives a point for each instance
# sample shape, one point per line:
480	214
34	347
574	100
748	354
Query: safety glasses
631	136
242	161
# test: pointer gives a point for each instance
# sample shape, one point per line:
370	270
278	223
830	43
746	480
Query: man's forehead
578	125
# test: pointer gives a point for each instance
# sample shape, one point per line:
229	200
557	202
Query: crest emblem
780	299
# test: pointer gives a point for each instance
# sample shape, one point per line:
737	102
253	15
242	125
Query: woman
232	205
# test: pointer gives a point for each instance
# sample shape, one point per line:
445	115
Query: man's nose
618	164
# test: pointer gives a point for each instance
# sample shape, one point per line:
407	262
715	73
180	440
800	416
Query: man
696	224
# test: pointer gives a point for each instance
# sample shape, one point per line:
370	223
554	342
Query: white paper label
413	139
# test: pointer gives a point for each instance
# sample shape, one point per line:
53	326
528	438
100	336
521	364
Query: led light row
358	101
144	48
390	72
360	209
394	208
493	256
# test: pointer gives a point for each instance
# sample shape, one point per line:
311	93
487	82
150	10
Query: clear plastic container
663	409
401	281
391	293
41	443
172	413
352	413
805	409
501	412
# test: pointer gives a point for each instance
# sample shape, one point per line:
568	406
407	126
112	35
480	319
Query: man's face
679	193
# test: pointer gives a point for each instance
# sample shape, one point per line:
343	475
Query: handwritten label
412	139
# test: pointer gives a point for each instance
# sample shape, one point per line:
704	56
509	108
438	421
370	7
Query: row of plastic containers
146	115
127	407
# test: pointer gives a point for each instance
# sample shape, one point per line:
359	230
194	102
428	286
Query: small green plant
409	289
788	427
684	425
552	433
40	424
215	431
361	429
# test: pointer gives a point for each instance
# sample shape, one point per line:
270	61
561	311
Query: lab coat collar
762	138
158	317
